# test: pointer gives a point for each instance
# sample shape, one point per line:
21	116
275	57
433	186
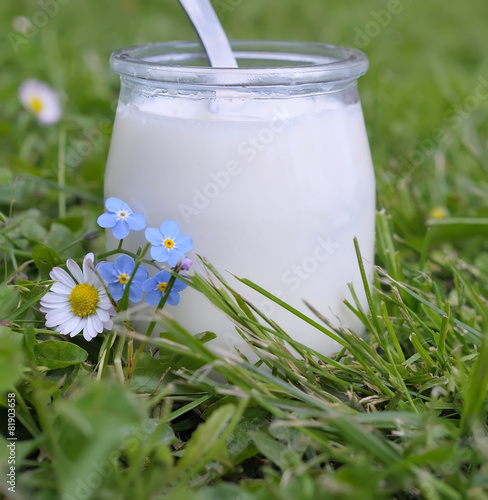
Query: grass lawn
402	416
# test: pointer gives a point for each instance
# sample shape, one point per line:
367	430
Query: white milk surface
273	190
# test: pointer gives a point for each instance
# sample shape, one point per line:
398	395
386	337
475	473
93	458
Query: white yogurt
273	190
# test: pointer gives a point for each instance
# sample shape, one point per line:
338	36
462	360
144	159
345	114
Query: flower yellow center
123	279
438	213
162	287
36	105
169	243
84	299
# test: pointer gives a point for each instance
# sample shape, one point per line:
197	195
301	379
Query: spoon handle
211	33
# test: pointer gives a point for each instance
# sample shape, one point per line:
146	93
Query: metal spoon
210	32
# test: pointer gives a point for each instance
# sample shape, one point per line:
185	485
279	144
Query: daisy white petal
53	298
57	319
70	325
62	313
75	270
61	289
103	315
62	276
88	331
41	100
108	325
96	323
78	329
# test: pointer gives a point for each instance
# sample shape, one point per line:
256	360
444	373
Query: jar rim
261	63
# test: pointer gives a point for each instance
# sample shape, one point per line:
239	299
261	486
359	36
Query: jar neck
154	89
268	65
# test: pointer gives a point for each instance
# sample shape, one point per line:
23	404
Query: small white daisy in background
77	302
439	212
22	25
41	100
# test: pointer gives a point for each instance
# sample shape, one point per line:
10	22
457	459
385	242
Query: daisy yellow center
438	213
123	279
36	105
169	243
162	287
84	299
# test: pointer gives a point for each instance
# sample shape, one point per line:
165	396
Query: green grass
401	416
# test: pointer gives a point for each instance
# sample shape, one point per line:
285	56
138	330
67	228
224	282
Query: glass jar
266	166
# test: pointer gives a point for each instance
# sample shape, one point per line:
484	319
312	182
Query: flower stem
119	349
160	306
124	301
129	368
62	173
103	357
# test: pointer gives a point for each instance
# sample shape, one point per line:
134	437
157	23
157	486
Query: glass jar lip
283	63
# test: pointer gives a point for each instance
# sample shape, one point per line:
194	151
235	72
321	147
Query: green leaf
148	373
11	358
461	228
58	354
45	259
30	342
72	223
59	236
271	448
32	230
6	179
476	389
8	301
28	299
206	442
240	443
89	430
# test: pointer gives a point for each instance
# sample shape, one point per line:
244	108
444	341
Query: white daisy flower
22	25
78	301
41	100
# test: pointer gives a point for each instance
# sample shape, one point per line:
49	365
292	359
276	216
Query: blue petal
169	228
163	277
124	264
116	290
114	204
160	254
176	255
153	298
184	243
154	236
140	275
107	272
137	222
150	284
174	298
120	230
179	285
107	219
135	292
